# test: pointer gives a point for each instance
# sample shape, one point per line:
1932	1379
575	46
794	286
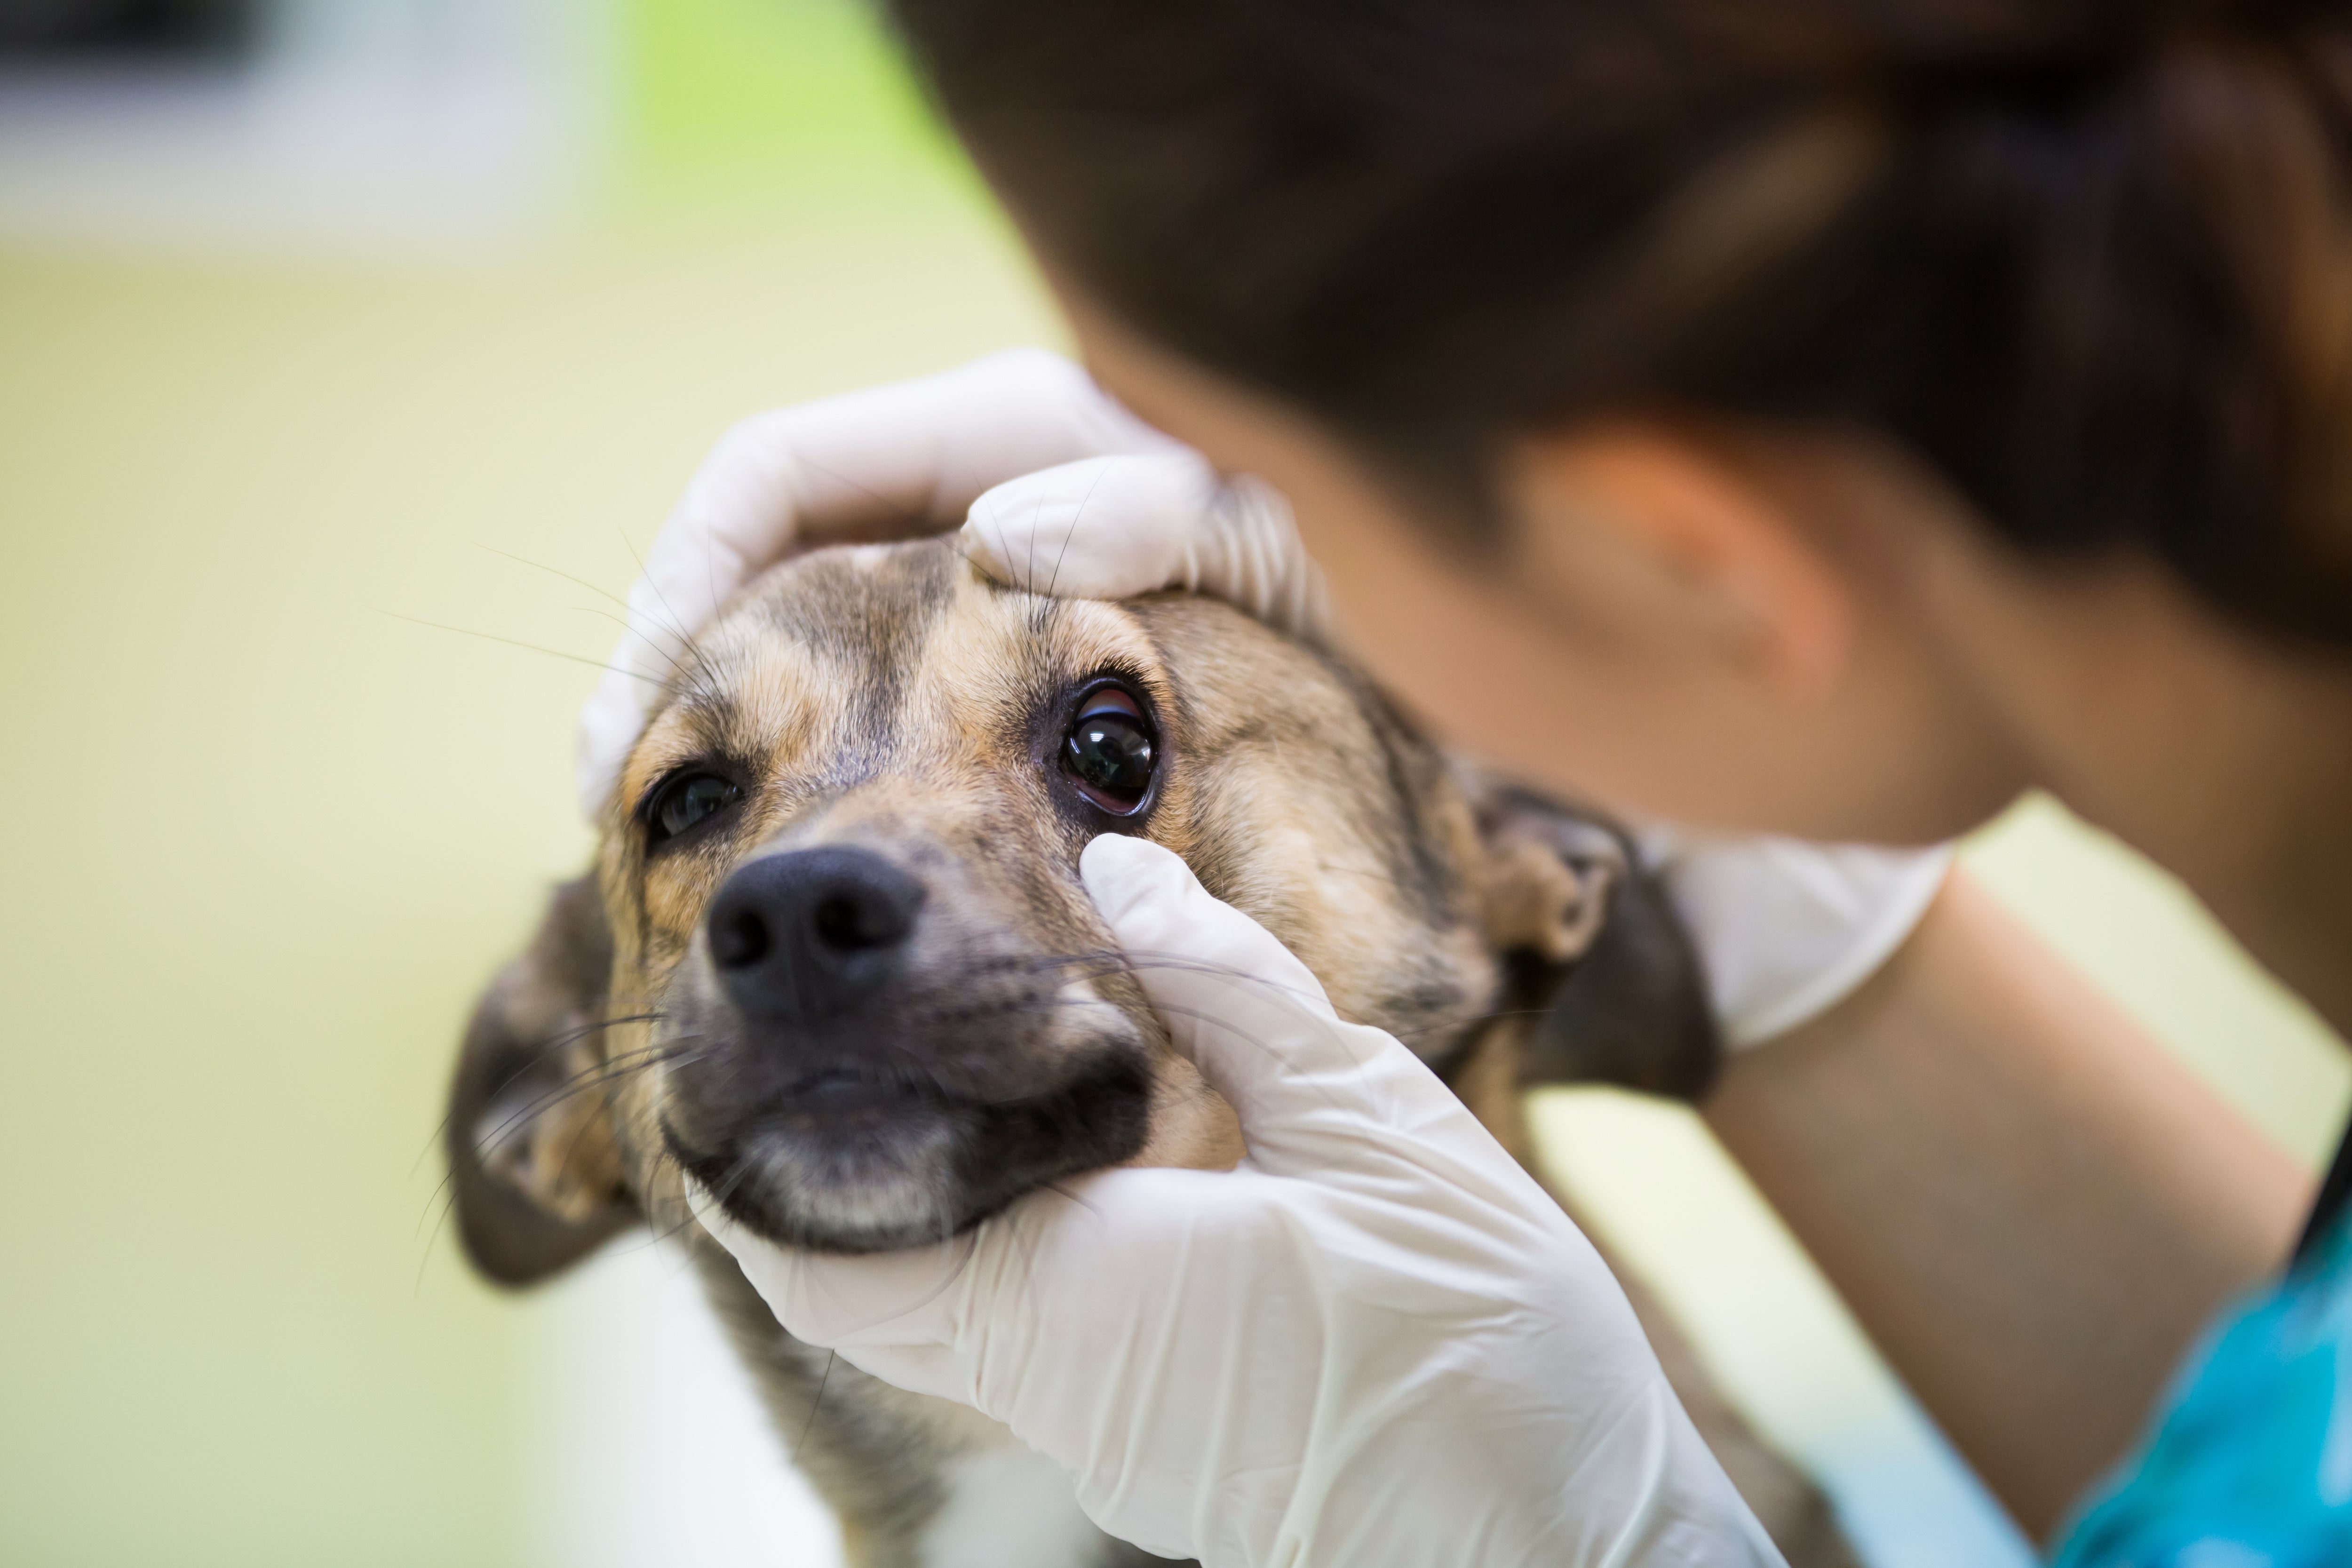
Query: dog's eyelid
727	762
1112	704
1111	697
667	776
1140	686
675	804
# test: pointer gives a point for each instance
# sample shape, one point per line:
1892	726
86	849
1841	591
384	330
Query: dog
833	960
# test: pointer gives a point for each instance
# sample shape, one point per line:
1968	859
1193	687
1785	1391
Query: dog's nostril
847	922
738	940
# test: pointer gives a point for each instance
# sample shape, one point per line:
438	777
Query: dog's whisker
602	1075
533	1053
529	646
677	626
740	1172
556	571
1472	1020
1072	533
1264	1047
1003	552
690	678
444	1191
906	515
816	1404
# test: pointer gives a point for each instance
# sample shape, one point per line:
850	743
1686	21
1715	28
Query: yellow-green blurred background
268	835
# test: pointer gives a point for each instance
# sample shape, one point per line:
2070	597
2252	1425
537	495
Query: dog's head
835	958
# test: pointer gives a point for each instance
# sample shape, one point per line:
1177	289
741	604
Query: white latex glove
1115	526
910	457
1785	930
1377	1343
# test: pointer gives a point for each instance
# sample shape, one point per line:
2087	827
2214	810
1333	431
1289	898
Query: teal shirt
2250	1464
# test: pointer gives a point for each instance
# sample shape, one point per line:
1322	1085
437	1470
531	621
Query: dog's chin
853	1167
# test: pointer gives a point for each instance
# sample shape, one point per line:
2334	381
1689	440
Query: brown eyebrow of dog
694	727
712	720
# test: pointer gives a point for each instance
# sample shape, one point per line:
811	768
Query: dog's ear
534	1171
1590	941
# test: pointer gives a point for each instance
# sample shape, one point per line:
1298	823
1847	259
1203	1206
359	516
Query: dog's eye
683	800
1109	752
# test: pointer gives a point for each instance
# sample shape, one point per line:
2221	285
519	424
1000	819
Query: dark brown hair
2091	258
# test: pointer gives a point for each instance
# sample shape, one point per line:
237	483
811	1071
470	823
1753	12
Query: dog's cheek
1192	1126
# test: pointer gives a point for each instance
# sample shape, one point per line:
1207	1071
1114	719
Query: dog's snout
811	931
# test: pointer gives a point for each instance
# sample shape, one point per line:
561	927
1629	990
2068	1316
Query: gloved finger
887	1312
908	457
1113	527
966	1319
1312	1092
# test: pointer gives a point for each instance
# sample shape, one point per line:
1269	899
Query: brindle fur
887	697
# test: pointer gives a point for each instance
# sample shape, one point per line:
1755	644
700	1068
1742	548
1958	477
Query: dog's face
837	962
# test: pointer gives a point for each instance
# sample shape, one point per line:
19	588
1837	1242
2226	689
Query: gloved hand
903	460
1376	1343
1784	929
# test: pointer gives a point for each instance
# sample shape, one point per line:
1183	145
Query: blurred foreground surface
272	835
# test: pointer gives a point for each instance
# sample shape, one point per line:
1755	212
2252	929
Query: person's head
1823	398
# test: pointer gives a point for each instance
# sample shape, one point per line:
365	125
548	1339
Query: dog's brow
716	722
710	717
699	722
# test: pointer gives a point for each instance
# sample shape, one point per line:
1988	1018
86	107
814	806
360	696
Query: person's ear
535	1174
1674	529
1591	949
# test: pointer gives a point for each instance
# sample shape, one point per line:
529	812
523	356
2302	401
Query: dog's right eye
1108	750
684	800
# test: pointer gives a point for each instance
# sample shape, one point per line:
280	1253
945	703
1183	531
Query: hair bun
2055	56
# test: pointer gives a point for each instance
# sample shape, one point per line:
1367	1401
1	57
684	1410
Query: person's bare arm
2030	1205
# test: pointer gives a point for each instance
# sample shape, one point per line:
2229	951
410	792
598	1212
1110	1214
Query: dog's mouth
846	1101
849	1161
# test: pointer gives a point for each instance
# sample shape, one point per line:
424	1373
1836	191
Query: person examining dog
1823	421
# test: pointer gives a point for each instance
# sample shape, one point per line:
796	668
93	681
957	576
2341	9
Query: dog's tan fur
888	697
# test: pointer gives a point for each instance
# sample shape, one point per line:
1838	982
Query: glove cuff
1787	930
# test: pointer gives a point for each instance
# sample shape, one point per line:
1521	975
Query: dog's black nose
812	932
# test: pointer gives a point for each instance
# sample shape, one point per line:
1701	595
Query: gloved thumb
1314	1094
893	1314
1111	527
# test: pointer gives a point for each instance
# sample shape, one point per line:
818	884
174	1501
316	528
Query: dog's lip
836	1092
833	1079
1091	1120
829	1104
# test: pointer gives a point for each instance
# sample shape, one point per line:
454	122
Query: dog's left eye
1108	753
683	800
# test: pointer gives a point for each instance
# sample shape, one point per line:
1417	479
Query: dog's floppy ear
534	1168
1590	941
